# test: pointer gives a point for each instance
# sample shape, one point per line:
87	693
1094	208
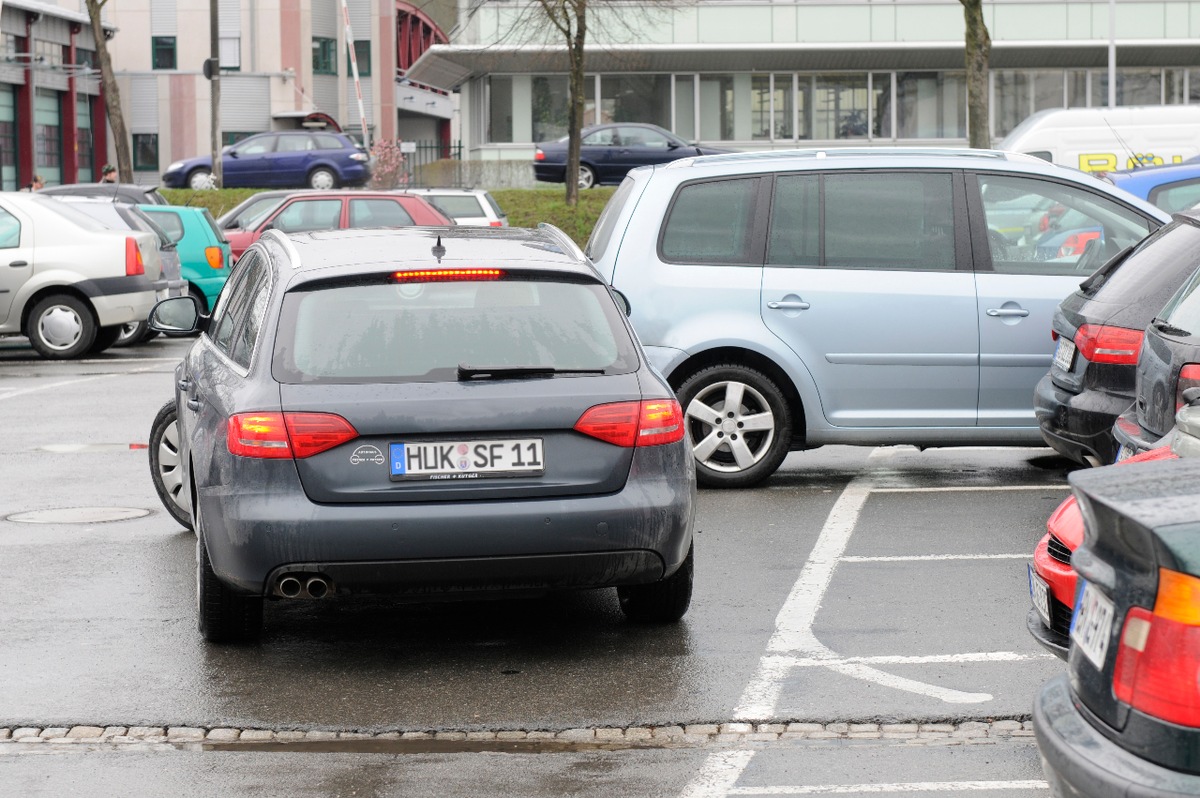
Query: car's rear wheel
660	602
133	332
200	179
106	337
739	424
224	615
61	327
166	468
587	176
322	179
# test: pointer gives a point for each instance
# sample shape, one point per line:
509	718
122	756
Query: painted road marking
65	383
918	786
936	557
718	775
969	488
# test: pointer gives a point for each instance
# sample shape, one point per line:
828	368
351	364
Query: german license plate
1039	592
1091	625
466	459
1064	355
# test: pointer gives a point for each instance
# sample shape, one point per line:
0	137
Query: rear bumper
549	173
118	300
267	526
1079	425
1080	761
1129	435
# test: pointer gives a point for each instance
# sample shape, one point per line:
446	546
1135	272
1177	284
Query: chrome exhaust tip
317	587
290	587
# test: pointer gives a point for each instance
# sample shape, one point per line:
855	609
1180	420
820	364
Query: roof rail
278	237
569	247
840	152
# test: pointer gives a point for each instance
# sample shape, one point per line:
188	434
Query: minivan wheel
224	616
322	179
739	423
587	177
133	332
106	338
166	467
660	602
61	327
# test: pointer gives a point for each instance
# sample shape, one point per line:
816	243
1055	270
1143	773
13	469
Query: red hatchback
1052	581
305	212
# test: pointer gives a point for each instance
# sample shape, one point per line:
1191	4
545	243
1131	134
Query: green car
204	253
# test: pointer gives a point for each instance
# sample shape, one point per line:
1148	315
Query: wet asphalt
97	626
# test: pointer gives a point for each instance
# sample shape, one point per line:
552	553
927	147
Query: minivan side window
795	238
889	221
712	222
1037	226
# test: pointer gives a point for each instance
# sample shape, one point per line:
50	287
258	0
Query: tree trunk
978	53
577	92
112	94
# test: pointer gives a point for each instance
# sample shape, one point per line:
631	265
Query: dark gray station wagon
438	412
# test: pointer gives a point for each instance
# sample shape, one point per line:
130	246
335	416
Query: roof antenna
438	250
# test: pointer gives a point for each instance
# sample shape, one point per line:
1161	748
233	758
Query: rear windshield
212	223
1161	260
423	332
78	218
459	207
607	222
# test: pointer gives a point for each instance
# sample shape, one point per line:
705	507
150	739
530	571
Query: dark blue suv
292	159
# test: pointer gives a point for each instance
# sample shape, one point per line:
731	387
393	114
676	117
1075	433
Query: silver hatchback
882	296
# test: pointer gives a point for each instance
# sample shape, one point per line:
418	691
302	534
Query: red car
339	210
1051	578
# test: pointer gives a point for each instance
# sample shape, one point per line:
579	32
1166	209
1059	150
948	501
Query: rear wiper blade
1162	325
1102	274
466	372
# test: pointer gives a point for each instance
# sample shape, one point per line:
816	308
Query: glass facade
47	133
145	152
8	139
83	141
784	107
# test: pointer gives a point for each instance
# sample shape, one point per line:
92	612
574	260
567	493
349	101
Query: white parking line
51	386
720	772
969	488
917	786
936	557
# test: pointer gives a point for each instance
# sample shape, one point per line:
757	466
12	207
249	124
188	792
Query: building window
500	109
86	58
83	141
162	52
47	135
550	108
145	152
8	139
636	98
231	53
931	105
362	54
47	52
324	56
839	106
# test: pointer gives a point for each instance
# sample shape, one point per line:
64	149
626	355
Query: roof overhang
52	10
449	65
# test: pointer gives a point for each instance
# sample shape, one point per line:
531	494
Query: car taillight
538	155
653	422
134	264
286	435
446	275
214	256
1076	243
1158	659
1116	345
1189	377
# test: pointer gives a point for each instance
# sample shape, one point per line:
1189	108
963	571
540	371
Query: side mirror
231	153
178	315
1191	395
623	302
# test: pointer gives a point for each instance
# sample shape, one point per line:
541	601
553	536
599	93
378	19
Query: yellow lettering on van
1176	159
1097	162
1143	159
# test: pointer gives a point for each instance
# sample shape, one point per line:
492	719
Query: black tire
660	602
106	338
200	179
720	436
166	467
132	333
587	176
223	615
61	327
322	178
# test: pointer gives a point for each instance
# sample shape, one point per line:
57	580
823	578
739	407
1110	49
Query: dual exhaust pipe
303	586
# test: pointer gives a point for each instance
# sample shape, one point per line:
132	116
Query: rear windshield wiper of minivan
1163	326
1098	277
466	372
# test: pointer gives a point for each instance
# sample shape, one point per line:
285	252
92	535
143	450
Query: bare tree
112	93
569	18
978	53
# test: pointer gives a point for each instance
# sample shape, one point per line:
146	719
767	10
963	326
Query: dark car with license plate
430	412
1125	718
1099	330
608	152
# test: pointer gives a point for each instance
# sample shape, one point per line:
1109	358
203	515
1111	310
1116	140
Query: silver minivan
855	296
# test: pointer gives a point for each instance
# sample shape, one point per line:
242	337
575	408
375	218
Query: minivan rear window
712	222
424	331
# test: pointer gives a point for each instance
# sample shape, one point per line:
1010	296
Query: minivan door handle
994	312
788	305
18	264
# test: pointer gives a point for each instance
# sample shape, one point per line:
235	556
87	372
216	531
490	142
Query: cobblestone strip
693	735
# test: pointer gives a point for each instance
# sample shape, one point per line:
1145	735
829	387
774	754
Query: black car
130	193
1099	329
607	152
1168	368
436	413
1125	718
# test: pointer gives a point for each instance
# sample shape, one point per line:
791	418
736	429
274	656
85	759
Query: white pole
362	113
1112	53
